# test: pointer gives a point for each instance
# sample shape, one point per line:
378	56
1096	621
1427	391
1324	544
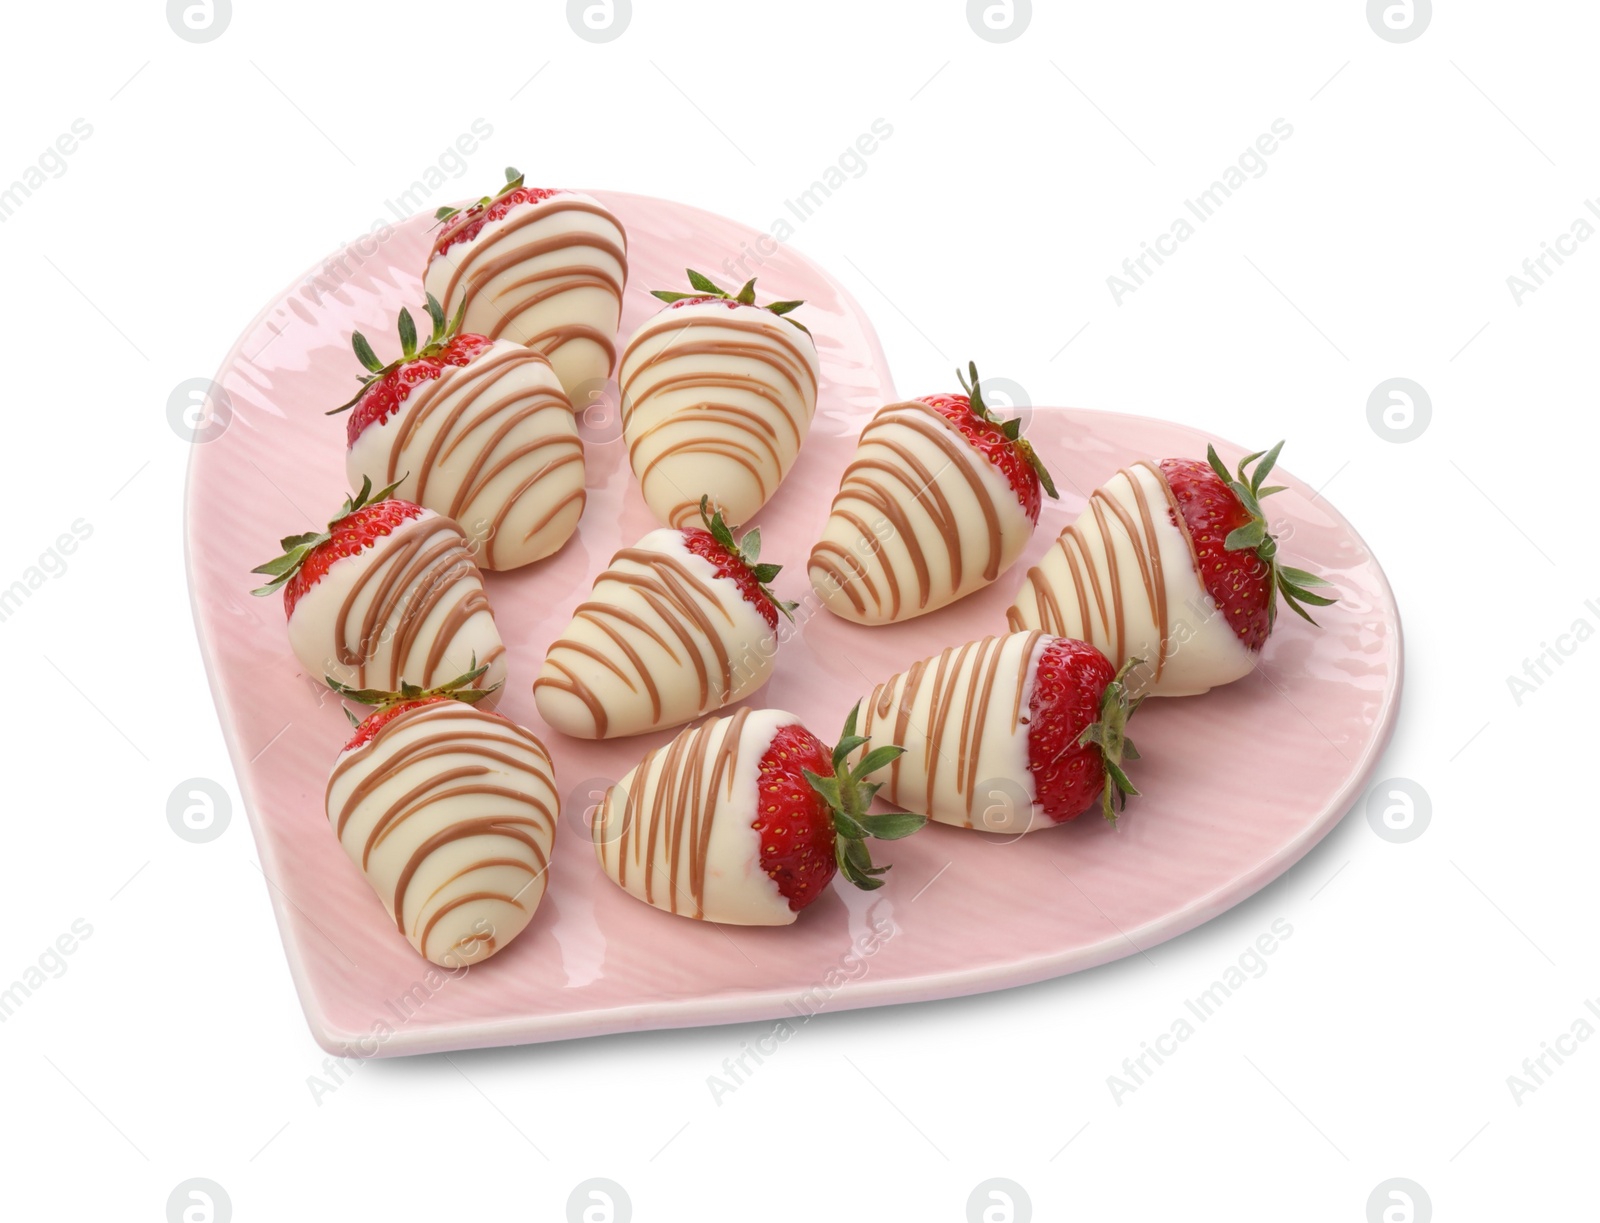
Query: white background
1377	244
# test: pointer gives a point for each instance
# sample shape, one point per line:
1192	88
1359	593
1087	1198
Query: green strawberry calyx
1110	735
1012	428
849	796
747	550
459	689
1250	487
444	331
706	289
296	548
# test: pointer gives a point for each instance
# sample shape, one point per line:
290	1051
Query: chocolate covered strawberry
388	591
478	430
449	812
540	267
1171	563
745	819
680	624
941	498
1007	734
718	393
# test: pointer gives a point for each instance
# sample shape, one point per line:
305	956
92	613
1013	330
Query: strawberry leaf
704	283
704	287
1248	484
437	318
849	794
461	689
364	352
893	825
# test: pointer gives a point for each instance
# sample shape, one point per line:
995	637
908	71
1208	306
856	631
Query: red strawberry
979	720
386	387
372	626
1076	737
685	806
464	224
921	519
999	441
1236	556
661	641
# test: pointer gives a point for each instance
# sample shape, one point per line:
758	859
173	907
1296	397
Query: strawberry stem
1251	489
1110	735
850	796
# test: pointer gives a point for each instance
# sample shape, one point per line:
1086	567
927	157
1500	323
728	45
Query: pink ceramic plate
963	911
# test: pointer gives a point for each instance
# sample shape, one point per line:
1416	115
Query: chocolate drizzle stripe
1095	573
675	602
490	758
686	780
423	566
962	684
764	441
890	482
502	246
472	409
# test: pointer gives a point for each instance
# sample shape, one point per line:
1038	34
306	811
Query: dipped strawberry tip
747	551
849	796
298	548
387	704
1011	428
1250	487
705	289
1110	735
444	331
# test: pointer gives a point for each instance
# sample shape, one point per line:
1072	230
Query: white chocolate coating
661	640
962	716
450	812
492	444
548	274
411	607
716	400
1124	578
921	519
676	831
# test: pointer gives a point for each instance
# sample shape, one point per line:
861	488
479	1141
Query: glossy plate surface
963	911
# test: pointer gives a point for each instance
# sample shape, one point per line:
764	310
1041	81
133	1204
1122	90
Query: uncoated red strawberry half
1006	734
941	498
388	593
677	626
1171	563
745	819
